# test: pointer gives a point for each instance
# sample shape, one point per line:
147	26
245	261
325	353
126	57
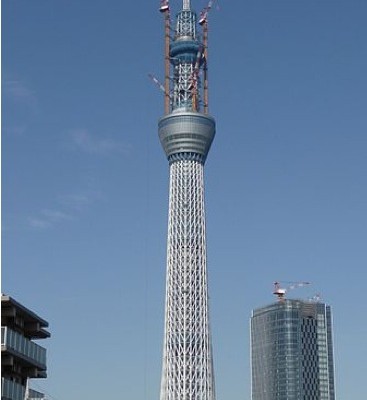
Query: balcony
15	391
34	395
11	390
23	348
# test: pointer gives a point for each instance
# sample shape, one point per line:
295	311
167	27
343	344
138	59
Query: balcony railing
12	390
23	346
34	395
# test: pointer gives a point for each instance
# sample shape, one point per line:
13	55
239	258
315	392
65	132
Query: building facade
292	351
21	357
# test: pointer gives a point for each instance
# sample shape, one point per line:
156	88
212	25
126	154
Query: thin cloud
55	215
75	201
80	201
38	223
69	207
20	106
48	218
18	91
92	144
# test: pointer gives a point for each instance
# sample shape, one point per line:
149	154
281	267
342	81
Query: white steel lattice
187	355
182	91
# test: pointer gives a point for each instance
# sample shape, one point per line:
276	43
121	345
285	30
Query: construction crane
280	291
159	84
203	21
164	6
188	91
165	10
195	77
204	14
316	298
202	57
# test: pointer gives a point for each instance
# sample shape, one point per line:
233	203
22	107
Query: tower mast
186	135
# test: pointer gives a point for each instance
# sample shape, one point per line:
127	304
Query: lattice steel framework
187	361
186	135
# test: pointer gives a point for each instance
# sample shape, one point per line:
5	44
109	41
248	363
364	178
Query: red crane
204	14
164	9
164	6
203	21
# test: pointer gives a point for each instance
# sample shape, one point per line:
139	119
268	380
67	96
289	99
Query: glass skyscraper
292	351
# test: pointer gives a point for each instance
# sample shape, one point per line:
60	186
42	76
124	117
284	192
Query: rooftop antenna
186	5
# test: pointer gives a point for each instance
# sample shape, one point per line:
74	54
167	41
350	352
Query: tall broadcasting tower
186	134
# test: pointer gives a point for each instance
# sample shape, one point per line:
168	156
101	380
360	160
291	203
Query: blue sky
85	182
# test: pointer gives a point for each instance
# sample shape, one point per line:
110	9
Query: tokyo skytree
186	132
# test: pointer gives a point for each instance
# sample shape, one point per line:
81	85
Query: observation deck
186	135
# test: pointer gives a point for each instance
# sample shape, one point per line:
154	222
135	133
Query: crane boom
204	14
280	292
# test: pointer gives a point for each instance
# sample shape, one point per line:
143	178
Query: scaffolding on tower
182	84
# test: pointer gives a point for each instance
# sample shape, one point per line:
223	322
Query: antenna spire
186	5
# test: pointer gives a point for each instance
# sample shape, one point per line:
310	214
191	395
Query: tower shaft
187	360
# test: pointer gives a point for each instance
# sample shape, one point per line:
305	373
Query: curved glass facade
292	352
